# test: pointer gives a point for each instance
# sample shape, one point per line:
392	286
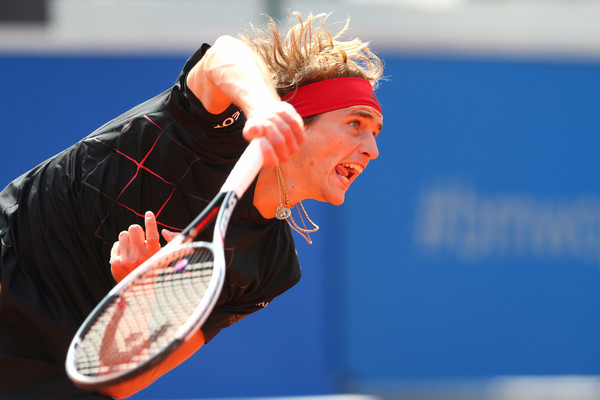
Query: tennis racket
160	304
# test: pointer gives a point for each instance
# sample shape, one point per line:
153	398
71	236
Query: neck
270	194
267	193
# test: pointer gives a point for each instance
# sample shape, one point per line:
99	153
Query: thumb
168	235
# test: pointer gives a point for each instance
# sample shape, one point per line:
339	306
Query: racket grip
245	170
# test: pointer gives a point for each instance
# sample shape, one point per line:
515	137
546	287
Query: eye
355	124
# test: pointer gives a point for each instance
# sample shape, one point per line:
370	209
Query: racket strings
144	318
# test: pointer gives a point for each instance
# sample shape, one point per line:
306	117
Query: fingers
125	249
270	159
295	123
134	246
283	128
285	131
137	243
152	238
168	235
115	253
119	255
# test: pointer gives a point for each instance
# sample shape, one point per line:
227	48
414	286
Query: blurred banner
473	243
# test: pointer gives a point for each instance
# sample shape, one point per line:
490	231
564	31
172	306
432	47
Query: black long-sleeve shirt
59	221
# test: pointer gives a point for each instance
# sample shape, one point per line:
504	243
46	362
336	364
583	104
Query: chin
337	200
334	195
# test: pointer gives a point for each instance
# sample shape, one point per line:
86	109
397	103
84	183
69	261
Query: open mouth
348	171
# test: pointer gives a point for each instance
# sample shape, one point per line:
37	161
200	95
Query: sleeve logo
229	120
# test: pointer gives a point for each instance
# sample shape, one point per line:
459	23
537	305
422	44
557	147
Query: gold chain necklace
284	212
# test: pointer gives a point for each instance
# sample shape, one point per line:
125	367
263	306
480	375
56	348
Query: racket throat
225	213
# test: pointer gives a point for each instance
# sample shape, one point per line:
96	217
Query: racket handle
245	170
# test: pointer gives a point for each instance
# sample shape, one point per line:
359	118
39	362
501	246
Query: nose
369	147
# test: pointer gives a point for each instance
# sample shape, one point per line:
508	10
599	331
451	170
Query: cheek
322	147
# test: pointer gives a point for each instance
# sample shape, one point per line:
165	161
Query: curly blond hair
309	53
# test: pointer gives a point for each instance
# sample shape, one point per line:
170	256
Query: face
339	145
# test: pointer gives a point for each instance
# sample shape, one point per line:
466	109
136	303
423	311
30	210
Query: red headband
332	94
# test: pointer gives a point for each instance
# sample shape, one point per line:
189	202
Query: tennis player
155	167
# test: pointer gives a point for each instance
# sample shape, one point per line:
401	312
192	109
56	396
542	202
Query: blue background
381	303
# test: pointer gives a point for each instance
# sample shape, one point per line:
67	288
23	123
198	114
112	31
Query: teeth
357	167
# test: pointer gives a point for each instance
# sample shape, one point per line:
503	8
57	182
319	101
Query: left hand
135	246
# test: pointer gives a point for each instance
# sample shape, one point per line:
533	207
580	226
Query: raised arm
231	72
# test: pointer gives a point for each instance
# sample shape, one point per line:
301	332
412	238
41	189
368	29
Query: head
307	63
